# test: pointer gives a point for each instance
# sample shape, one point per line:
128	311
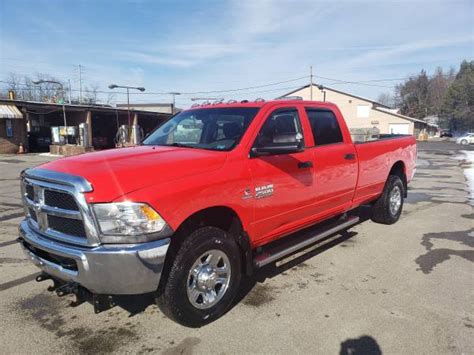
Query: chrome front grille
67	226
32	214
60	200
30	193
55	206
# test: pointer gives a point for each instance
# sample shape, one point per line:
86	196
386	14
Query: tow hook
43	277
61	288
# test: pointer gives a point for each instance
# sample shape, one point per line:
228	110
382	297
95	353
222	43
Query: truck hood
116	172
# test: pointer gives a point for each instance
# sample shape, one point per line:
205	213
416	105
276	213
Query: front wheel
203	280
388	208
464	142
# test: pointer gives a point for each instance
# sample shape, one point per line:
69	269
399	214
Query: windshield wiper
181	145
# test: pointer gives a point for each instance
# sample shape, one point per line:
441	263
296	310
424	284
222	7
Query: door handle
350	156
305	164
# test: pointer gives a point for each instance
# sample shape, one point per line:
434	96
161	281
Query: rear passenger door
335	162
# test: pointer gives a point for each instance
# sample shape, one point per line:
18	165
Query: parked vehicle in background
210	195
446	133
467	138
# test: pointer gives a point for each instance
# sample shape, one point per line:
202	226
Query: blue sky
190	46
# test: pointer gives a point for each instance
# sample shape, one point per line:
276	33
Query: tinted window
207	128
282	126
325	127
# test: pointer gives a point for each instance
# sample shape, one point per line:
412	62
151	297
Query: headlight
127	218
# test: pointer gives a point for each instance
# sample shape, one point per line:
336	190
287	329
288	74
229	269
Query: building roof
396	114
432	119
146	105
338	91
74	107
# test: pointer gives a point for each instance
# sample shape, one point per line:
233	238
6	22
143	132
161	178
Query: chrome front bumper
111	269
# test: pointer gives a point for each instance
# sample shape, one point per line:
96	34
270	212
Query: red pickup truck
204	199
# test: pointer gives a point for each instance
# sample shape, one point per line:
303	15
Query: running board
294	244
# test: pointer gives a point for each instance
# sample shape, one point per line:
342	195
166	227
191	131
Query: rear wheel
388	208
203	280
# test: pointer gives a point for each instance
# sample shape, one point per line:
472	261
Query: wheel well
398	169
221	217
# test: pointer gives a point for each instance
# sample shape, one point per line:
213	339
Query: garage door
399	128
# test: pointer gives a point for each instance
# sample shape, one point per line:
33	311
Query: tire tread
380	210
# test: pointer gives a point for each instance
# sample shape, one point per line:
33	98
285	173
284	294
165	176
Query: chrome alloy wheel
395	200
208	279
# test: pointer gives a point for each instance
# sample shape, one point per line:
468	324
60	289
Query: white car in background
467	138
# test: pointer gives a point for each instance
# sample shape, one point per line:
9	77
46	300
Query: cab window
282	126
324	126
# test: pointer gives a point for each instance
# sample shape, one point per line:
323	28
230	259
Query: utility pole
174	100
80	84
128	107
69	84
311	82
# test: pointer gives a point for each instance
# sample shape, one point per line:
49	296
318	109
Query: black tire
464	142
172	297
382	211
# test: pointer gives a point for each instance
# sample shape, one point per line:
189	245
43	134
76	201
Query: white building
360	112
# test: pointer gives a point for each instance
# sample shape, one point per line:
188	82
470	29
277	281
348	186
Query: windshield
210	128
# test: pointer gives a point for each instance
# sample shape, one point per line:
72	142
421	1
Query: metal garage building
30	125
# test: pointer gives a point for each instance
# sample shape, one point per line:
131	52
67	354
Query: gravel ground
406	288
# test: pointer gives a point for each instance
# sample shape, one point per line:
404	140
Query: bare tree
386	99
25	89
111	98
91	94
49	91
437	89
14	84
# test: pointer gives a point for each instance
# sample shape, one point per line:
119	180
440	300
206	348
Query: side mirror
282	144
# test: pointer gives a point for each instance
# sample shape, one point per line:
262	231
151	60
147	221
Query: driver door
282	183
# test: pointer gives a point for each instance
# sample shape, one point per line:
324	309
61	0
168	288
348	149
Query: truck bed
376	157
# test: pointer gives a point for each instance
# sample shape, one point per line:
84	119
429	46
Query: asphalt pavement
401	289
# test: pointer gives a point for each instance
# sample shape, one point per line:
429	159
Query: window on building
325	127
363	111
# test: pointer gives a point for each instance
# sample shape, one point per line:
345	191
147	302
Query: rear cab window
324	126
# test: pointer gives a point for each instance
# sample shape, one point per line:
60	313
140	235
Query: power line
352	82
333	81
185	93
245	88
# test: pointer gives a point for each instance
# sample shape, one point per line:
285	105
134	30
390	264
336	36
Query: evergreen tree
413	96
457	111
